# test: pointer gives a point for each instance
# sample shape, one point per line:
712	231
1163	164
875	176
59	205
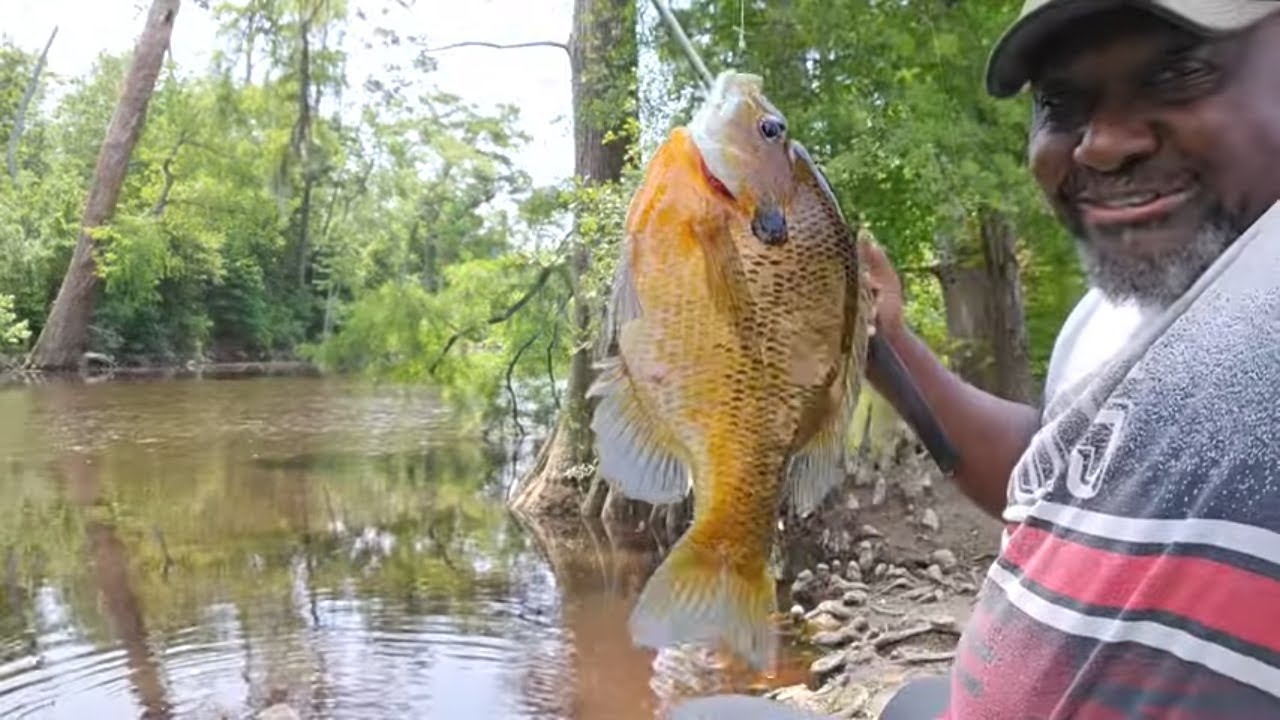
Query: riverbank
904	553
11	373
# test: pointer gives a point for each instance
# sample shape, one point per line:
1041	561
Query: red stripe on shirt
1216	595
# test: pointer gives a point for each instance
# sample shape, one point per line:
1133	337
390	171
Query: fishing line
683	41
742	25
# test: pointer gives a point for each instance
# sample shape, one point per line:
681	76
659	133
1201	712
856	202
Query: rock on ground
887	603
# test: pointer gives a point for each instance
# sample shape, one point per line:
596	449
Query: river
211	548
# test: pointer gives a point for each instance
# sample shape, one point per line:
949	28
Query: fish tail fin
696	597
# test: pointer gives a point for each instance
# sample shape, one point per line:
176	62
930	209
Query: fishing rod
880	355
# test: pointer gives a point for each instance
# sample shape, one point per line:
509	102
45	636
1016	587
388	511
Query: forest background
305	190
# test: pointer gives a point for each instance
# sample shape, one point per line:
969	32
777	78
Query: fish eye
772	128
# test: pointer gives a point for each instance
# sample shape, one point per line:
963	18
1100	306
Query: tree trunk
602	58
302	148
19	120
983	298
66	333
1010	347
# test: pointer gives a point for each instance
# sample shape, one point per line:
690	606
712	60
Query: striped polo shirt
1139	568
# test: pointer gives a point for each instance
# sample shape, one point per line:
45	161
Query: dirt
898	612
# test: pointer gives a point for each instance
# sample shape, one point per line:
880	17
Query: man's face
1155	147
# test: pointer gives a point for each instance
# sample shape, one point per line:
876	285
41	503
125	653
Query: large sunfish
734	340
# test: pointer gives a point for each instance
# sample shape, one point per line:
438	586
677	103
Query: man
1139	572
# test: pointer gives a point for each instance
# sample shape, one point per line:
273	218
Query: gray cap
1007	68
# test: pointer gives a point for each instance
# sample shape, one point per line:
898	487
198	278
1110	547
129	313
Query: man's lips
1131	206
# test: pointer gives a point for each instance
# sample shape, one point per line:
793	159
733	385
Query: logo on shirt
1079	444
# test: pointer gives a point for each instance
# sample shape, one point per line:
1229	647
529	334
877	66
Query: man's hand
989	432
886	287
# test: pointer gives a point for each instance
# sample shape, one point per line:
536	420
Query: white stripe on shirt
1146	632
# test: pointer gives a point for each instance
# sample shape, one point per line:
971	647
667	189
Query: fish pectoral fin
818	467
631	444
694	597
726	283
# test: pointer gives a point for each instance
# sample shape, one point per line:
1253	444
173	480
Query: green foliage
13	332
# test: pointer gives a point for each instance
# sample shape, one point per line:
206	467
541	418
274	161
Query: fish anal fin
635	451
695	597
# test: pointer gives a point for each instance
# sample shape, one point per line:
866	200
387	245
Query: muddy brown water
210	548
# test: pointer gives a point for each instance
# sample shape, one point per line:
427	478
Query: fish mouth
769	224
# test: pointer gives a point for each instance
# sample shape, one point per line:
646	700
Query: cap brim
1008	68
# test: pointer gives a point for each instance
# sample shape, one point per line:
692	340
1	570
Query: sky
536	80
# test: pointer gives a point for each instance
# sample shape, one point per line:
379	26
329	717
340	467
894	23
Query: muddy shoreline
13	374
896	564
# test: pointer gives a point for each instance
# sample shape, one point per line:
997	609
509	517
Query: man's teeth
1131	200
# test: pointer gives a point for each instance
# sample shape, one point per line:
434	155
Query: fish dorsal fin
805	165
622	307
819	466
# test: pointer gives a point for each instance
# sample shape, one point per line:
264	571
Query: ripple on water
352	658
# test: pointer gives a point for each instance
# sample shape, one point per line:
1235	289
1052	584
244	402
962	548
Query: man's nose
1114	139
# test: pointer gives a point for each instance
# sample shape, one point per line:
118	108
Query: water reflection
210	548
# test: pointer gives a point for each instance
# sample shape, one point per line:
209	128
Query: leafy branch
11	157
511	366
498	318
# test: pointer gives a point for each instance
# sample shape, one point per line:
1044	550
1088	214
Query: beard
1159	279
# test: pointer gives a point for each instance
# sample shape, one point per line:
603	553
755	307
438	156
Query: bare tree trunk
11	157
66	332
602	57
302	148
983	297
1010	347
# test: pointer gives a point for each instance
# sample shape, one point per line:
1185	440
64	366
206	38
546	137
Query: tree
19	119
65	335
603	59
